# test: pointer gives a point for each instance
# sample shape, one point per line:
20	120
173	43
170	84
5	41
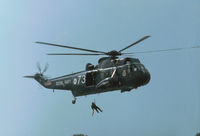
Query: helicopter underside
77	93
93	90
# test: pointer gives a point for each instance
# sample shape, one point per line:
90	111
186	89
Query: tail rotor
39	67
45	68
40	71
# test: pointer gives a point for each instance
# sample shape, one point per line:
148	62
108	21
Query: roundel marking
75	81
124	73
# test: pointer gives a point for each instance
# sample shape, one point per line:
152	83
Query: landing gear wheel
73	101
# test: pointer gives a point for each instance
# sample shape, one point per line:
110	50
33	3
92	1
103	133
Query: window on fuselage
129	68
102	74
90	78
142	68
135	67
127	61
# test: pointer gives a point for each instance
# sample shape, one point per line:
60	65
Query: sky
168	105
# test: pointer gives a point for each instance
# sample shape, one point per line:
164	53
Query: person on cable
95	107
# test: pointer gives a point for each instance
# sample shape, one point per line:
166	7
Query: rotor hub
113	53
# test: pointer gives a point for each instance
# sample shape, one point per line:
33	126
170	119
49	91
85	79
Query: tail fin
39	78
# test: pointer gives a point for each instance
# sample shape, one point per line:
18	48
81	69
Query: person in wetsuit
95	107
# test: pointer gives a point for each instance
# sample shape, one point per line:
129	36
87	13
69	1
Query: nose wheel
74	101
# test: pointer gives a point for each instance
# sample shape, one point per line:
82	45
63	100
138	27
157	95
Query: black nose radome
146	78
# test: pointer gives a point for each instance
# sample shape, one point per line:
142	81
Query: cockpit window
134	68
129	69
128	62
142	68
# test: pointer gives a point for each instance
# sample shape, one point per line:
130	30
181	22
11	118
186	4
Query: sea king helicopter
111	73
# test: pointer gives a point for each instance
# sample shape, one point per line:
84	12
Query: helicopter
110	74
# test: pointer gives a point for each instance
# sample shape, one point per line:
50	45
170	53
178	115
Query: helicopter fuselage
109	75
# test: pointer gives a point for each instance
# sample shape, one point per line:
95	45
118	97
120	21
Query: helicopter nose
146	77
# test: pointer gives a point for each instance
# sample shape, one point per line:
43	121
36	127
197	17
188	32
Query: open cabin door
90	78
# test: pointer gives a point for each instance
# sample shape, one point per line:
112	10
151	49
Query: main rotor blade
135	43
130	53
73	54
51	44
166	50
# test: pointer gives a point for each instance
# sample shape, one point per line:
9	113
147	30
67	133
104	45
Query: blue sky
168	105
